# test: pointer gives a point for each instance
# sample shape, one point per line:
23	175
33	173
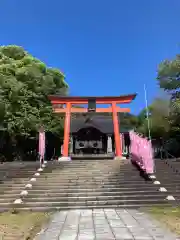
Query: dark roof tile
104	124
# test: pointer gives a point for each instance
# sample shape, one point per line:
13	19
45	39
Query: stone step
13	191
168	174
172	184
166	181
96	182
79	207
78	186
89	164
19	176
11	168
166	169
92	186
96	167
104	164
87	171
161	196
84	179
41	194
60	181
87	161
17	172
89	174
93	190
12	185
173	162
14	181
83	188
40	182
11	195
90	203
164	164
34	194
133	206
18	167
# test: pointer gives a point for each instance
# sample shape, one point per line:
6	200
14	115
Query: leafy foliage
169	74
164	113
157	115
128	120
169	80
25	83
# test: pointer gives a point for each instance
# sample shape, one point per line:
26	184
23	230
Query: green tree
25	83
155	118
169	80
128	120
169	75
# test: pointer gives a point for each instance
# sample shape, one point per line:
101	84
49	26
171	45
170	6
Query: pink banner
142	152
41	144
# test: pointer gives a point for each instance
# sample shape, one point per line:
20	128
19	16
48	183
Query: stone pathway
104	224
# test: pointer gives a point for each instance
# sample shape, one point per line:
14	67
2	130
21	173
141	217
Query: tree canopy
164	113
25	83
169	80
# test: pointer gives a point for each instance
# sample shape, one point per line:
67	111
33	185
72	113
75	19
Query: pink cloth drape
142	152
41	145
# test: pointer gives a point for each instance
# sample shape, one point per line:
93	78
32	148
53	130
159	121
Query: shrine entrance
89	141
67	104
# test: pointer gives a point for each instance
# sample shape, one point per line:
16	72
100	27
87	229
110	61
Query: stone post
71	145
109	144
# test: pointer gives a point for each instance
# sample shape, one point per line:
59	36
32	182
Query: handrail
170	154
167	153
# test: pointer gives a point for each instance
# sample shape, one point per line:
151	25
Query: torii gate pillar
118	145
67	130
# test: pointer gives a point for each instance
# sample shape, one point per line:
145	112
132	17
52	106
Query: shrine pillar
117	139
67	130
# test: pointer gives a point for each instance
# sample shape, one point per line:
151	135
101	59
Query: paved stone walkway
104	224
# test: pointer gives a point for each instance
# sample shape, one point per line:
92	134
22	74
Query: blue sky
104	47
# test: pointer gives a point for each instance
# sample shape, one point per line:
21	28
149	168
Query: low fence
142	152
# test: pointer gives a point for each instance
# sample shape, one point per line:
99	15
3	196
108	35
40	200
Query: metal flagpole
147	112
148	121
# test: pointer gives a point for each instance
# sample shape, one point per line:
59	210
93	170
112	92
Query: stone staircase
85	184
13	178
91	184
168	174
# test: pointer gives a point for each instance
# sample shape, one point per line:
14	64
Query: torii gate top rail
69	100
55	99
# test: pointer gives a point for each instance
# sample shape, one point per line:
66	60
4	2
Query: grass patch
169	216
22	225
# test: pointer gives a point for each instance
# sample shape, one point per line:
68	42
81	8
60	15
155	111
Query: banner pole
148	122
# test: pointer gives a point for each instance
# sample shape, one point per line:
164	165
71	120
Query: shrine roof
57	98
102	123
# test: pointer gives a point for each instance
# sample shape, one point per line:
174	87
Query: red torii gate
69	101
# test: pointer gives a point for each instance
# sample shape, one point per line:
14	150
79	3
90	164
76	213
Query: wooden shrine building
91	133
94	134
